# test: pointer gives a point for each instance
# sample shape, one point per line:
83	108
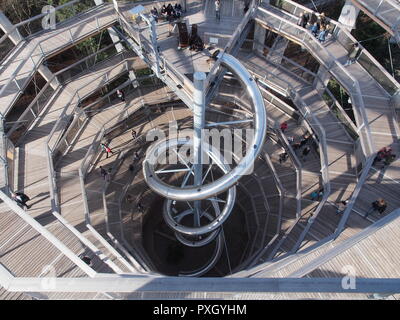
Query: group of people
305	139
319	26
386	155
378	205
167	12
296	145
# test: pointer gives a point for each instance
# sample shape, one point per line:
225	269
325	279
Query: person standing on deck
106	149
103	172
379	205
352	56
217	9
284	126
303	20
121	95
342	206
154	14
306	151
21	199
322	35
134	134
315	29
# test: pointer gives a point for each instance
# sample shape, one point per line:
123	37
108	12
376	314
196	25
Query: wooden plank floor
186	61
341	158
51	42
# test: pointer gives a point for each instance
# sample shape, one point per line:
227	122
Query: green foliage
377	43
339	93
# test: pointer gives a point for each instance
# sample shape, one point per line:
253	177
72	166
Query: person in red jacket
284	126
106	149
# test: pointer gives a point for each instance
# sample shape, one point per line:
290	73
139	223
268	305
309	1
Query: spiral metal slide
201	190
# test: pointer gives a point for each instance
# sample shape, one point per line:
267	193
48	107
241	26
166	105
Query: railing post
70	35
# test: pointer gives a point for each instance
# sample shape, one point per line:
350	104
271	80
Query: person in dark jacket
21	199
303	20
379	205
306	151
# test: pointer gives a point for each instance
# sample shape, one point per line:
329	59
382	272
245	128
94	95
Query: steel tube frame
233	176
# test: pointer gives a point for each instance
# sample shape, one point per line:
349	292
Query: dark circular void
172	258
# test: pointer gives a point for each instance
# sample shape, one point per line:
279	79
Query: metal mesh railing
346	39
281	25
15	84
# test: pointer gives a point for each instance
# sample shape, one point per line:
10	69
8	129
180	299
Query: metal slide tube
230	178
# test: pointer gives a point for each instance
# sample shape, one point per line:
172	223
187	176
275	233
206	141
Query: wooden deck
26	61
213	33
369	253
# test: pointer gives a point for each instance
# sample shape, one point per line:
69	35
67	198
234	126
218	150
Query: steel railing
346	39
75	11
60	78
321	138
144	48
281	25
334	105
36	56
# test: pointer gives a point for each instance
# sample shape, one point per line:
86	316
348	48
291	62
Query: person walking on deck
314	196
103	172
106	149
136	157
283	126
283	157
140	207
121	95
306	151
21	199
87	260
134	134
352	56
341	206
379	205
217	10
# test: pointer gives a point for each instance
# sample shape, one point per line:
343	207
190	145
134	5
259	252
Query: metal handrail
352	200
231	43
320	132
282	193
50	151
41	56
299	170
332	64
47	234
316	77
40	16
59	85
338	27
